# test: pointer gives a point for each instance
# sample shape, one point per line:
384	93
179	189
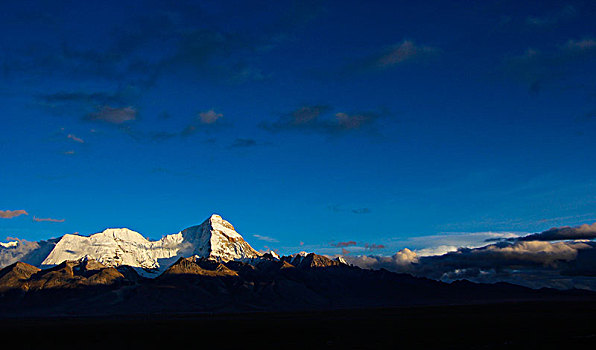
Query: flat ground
527	325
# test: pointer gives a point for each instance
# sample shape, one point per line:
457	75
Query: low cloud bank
401	261
532	260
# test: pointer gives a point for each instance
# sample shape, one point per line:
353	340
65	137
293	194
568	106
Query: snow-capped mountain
115	247
9	244
215	238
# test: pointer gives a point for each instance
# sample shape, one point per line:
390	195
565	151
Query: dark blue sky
319	123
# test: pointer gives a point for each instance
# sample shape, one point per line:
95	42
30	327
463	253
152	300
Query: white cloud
400	261
439	250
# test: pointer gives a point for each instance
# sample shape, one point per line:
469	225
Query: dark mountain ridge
203	285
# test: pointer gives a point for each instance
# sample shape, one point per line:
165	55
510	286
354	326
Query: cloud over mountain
399	262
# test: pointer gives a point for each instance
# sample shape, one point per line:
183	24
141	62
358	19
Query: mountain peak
122	234
217	220
215	217
13	275
197	266
216	238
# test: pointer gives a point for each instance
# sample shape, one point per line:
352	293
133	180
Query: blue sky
308	124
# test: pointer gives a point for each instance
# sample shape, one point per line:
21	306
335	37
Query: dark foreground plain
529	325
314	302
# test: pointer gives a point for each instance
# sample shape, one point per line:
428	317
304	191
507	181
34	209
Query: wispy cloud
304	117
114	115
451	241
391	57
265	238
244	143
88	98
189	42
353	121
373	246
178	31
75	138
105	106
205	121
549	65
580	45
566	13
344	244
9	214
561	233
47	219
405	51
337	208
315	118
357	246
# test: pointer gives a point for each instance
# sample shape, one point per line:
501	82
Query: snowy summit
215	238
